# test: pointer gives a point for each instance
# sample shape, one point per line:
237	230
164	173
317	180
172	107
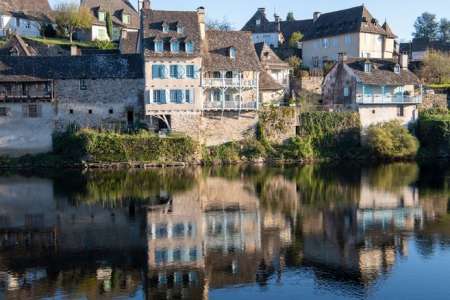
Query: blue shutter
196	72
163	96
155	71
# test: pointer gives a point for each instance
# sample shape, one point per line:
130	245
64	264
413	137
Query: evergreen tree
290	16
426	26
444	30
109	25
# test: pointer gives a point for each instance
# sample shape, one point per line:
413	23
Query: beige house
353	31
380	90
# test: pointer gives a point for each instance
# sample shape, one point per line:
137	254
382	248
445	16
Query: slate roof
31	68
356	19
424	44
267	83
268	57
153	23
27	9
382	72
129	44
116	8
218	44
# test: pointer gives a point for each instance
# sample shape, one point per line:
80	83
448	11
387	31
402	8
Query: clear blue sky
400	14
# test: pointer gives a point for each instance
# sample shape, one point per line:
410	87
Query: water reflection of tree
392	177
116	187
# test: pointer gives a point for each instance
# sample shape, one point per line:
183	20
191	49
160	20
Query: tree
69	18
109	25
426	26
223	25
444	30
436	67
290	16
295	38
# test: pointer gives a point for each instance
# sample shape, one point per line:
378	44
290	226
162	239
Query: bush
104	45
391	141
433	131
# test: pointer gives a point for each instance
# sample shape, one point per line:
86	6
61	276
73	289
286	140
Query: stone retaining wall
434	101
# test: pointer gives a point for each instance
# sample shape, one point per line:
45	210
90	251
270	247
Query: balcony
229	82
388	99
230	105
25	98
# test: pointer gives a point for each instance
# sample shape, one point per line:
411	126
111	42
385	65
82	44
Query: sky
400	14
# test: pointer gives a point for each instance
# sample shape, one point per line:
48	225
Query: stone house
202	83
381	90
24	17
417	49
353	31
39	95
124	17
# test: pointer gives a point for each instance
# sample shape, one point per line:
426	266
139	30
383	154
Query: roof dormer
165	27
180	28
232	52
368	66
397	69
101	15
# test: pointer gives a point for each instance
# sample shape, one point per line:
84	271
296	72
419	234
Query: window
161	256
161	231
178	230
348	39
400	111
325	43
101	16
158	72
90	111
233	52
397	69
190	71
28	26
189	47
159	46
111	111
71	111
346	92
4	111
83	84
188	96
159	96
17	22
33	110
367	67
165	28
174	71
175	46
177	255
193	254
258	22
176	96
180	29
126	19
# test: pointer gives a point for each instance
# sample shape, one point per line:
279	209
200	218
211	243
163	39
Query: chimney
404	61
124	34
316	16
277	22
342	57
73	50
146	4
262	10
201	12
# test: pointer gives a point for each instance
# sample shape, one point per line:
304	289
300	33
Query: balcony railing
229	82
388	99
230	105
24	98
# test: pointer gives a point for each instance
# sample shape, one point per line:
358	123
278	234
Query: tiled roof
116	8
382	72
153	23
267	83
129	44
14	68
269	58
219	43
28	9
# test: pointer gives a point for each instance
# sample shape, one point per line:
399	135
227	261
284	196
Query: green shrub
253	149
391	141
433	131
225	153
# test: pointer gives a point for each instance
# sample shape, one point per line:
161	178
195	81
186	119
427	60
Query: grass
64	42
439	85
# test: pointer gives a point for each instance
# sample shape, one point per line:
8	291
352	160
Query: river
239	232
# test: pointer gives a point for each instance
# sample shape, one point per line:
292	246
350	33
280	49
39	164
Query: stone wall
214	128
311	84
105	103
434	101
278	124
20	134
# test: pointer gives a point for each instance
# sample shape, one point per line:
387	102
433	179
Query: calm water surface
314	232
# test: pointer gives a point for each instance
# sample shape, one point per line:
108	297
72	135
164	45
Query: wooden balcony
388	99
231	105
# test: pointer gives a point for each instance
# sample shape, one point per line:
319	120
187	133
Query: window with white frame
189	47
188	98
397	69
174	46
367	67
101	16
159	46
346	91
174	71
190	71
159	96
165	28
325	43
233	53
258	22
126	19
180	29
176	96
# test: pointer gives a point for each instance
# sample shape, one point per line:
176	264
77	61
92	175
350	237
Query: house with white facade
24	17
381	90
124	17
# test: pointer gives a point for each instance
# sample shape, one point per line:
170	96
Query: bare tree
436	67
223	25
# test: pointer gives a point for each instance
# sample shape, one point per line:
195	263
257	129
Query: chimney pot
404	61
